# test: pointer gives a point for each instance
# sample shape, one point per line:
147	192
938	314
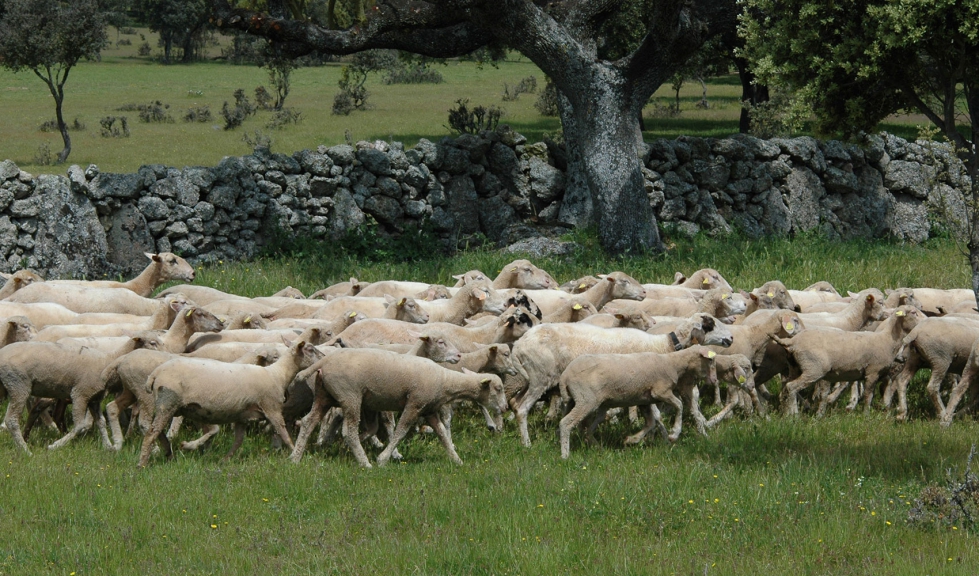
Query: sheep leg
329	426
569	423
633	414
599	417
79	411
953	401
789	398
113	410
389	424
717	394
210	432
651	417
239	438
308	423
38	406
526	402
671	399
733	399
351	435
175	425
278	423
938	371
445	415
408	417
436	423
491	421
15	407
693	396
553	408
866	389
167	404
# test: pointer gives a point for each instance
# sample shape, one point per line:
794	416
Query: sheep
16	329
81	299
376	380
892	299
202	295
543	353
245	321
18	280
316	335
967	382
470	299
508	327
41	314
470	276
337	325
523	274
234	306
868	307
219	393
942	344
597	382
579	285
734	369
840	356
933	300
349	288
53	370
231	351
718	302
755	302
617	285
571	311
613	318
703	279
491	359
162	319
815	294
779	295
163	267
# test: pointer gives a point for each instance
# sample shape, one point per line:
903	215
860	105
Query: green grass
801	496
403	113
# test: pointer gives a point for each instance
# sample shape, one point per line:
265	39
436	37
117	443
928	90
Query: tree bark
56	85
751	94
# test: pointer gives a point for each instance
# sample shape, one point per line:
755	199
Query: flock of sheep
353	355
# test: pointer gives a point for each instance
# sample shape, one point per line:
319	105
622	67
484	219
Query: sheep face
439	349
707	330
791	324
580	285
173	267
469	277
201	320
410	311
519	320
492	301
778	294
491	394
20	329
434	292
290	292
625	287
639	320
499	361
520	298
525	275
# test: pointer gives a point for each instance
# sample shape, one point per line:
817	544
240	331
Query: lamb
81	299
571	311
934	300
316	335
470	299
376	380
163	267
597	382
18	280
815	294
337	325
703	279
16	329
231	351
245	321
523	274
53	370
840	356
617	285
236	306
779	295
220	393
542	354
868	307
942	344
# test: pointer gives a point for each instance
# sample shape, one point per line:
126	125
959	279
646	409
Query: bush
352	95
233	116
259	140
127	30
263	98
124	42
44	156
153	112
52	126
343	103
282	117
198	114
413	73
241	101
466	121
526	86
144	49
111	130
954	505
546	103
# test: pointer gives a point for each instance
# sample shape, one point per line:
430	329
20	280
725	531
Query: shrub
124	42
198	114
526	86
263	98
153	112
44	157
466	121
259	140
241	101
343	103
127	30
52	126
954	505
282	117
546	103
353	95
144	49
111	130
412	73
233	116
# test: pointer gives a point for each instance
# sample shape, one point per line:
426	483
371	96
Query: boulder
70	241
463	204
127	238
495	216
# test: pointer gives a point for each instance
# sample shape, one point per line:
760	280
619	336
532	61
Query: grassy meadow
805	495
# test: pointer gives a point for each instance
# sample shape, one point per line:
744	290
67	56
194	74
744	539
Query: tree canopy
48	38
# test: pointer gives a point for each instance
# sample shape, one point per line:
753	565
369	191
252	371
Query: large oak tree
601	98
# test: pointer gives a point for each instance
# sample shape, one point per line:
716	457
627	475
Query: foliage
547	100
280	69
182	24
153	112
144	49
281	118
781	116
366	243
263	99
258	141
352	95
43	157
49	38
52	126
954	505
198	114
111	130
236	115
412	73
526	85
464	120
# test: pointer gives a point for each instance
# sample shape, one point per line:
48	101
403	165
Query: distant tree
178	24
48	38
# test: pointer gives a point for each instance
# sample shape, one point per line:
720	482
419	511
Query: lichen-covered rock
127	238
375	161
8	170
385	209
541	247
495	216
70	240
463	204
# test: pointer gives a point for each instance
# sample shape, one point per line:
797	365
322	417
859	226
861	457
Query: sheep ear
190	312
679	278
388	298
152	256
494	348
619	315
870	298
851	294
709	354
414	333
485	382
424	338
481	294
753	296
458	276
610	279
402	302
467	371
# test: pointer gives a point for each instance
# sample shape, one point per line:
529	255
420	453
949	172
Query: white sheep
163	267
18	280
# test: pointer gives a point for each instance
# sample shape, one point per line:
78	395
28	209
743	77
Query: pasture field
776	495
403	113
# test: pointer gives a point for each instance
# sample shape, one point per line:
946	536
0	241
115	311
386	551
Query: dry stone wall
91	223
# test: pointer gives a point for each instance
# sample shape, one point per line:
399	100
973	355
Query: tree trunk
751	94
608	137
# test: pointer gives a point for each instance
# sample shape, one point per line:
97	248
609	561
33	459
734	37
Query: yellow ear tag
899	313
402	302
352	314
582	285
190	312
711	354
576	307
706	280
741	379
724	296
248	319
771	294
514	269
790	326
